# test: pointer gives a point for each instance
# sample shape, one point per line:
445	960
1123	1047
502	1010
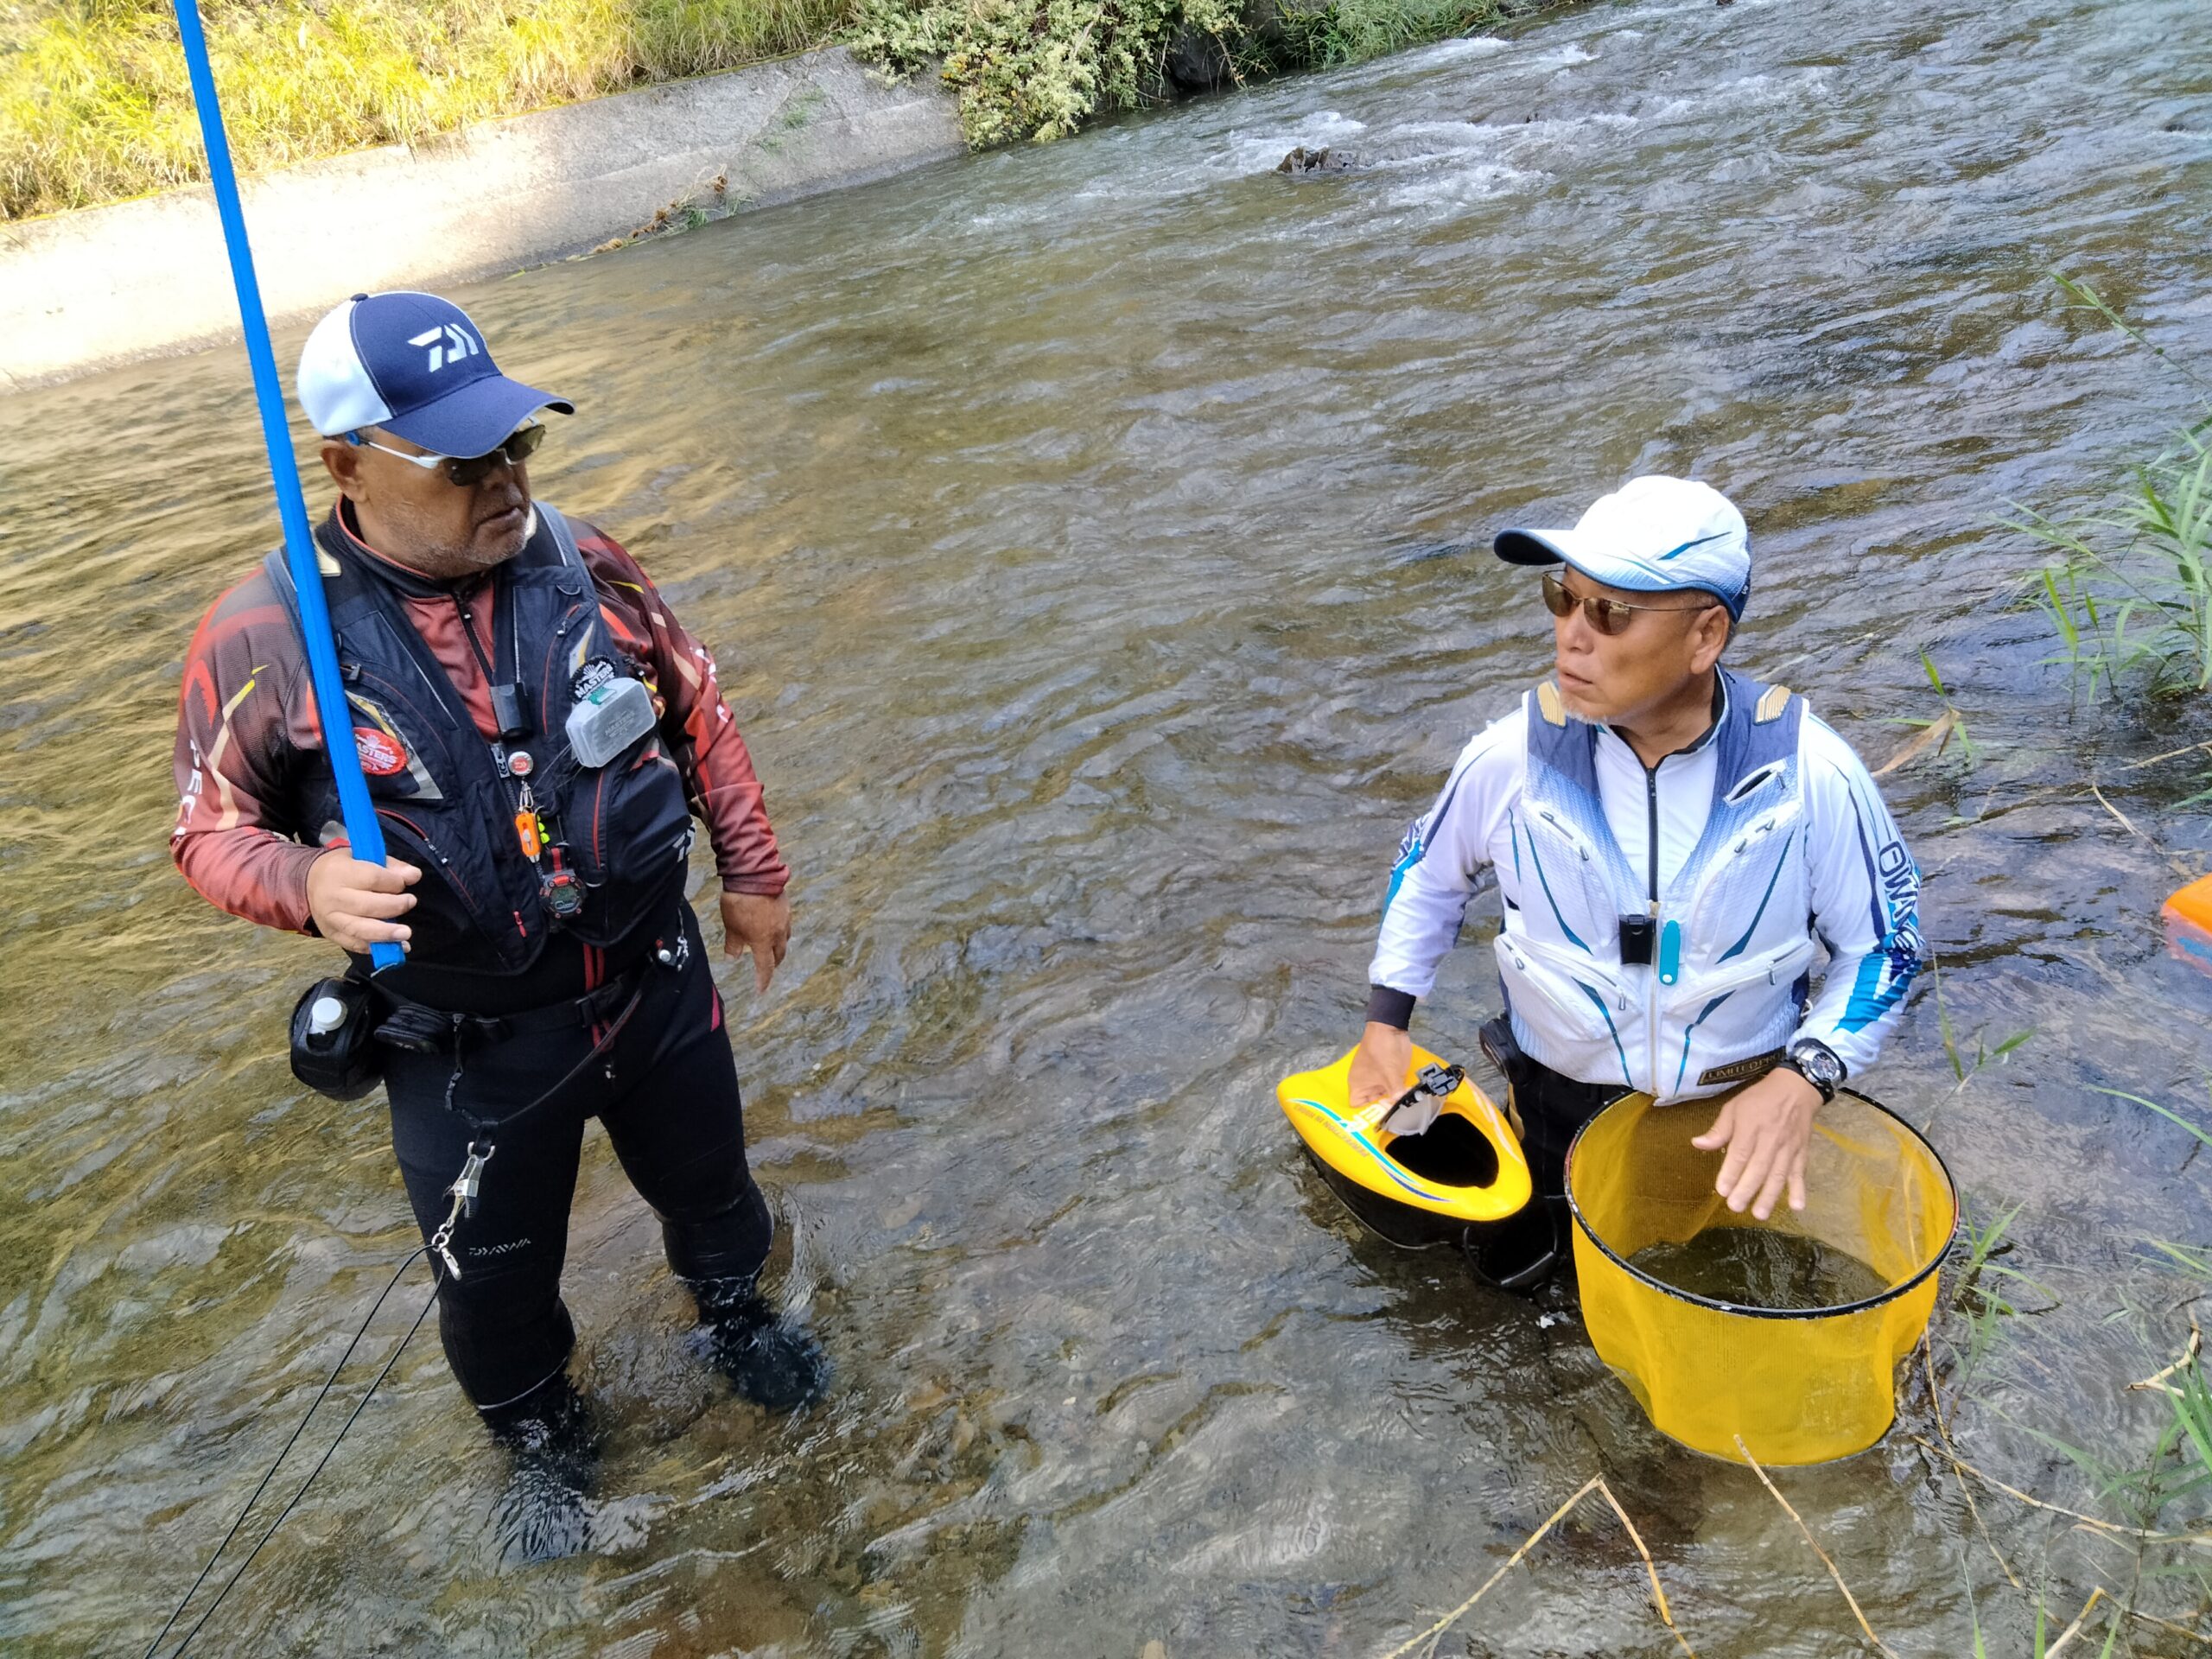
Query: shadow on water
1093	539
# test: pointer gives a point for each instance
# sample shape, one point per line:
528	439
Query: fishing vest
1729	941
451	801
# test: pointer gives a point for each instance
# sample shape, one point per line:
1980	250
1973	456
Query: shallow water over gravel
1092	539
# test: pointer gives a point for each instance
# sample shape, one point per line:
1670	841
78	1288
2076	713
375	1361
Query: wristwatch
1816	1063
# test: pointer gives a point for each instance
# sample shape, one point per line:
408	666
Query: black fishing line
436	1278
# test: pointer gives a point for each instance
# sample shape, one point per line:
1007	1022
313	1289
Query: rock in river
1301	161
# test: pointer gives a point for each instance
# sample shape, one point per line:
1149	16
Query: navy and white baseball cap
415	366
1651	535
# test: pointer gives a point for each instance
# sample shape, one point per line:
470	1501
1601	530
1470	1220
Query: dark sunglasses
1609	617
466	470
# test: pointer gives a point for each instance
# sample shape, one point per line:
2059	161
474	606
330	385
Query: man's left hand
1765	1130
755	922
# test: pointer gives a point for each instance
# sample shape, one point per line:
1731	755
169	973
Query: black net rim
1934	1260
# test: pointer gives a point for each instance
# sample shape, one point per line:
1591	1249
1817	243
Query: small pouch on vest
419	1030
607	720
1638	935
333	1049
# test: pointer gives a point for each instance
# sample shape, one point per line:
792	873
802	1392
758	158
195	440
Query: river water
1092	537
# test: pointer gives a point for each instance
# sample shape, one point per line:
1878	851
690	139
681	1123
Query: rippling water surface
1093	540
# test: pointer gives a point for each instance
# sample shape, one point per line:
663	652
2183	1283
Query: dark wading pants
666	1090
1551	1107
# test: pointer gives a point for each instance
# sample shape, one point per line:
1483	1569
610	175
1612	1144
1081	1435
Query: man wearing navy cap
537	731
1672	843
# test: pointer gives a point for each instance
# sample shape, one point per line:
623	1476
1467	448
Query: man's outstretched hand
1765	1130
755	922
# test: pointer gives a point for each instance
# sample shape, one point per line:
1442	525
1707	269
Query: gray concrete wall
85	290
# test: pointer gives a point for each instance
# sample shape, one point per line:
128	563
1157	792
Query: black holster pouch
420	1030
1523	1251
336	1058
1502	1050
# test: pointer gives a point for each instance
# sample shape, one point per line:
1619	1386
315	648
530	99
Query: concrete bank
85	290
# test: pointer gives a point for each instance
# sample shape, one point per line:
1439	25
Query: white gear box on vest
607	720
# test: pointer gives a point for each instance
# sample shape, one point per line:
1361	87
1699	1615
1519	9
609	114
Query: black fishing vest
448	800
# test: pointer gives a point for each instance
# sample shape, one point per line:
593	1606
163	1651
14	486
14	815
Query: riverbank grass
94	103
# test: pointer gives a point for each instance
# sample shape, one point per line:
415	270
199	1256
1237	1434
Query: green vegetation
2129	592
1935	734
1039	68
94	102
1033	68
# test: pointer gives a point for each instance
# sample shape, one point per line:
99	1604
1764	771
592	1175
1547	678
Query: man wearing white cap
1672	842
537	730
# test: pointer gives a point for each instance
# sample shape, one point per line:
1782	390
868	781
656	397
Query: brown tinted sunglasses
1608	616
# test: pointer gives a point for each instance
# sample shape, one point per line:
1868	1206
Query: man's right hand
1378	1070
353	904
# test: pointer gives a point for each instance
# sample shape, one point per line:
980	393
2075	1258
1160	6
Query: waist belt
425	1030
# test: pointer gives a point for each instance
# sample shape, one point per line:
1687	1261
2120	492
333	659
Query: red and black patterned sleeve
695	722
236	719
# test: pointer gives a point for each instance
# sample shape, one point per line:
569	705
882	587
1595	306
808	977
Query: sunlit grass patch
94	102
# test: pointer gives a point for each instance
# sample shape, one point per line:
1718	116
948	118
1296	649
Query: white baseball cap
1654	534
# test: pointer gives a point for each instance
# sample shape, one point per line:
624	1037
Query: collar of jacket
340	537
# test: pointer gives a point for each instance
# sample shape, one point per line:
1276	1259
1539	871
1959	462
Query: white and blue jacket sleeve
1439	865
1866	892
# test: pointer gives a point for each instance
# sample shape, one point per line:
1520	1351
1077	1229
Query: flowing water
1093	540
1761	1267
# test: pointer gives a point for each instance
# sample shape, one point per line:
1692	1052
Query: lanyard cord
468	628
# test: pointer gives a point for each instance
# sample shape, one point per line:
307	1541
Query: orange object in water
2187	916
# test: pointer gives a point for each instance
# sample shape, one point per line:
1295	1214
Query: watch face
1819	1067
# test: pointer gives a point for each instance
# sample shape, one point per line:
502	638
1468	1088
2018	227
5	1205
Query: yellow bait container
1799	1385
1413	1189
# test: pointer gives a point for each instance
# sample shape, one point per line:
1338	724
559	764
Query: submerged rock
1301	161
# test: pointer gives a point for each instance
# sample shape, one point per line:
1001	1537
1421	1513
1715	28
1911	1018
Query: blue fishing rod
363	833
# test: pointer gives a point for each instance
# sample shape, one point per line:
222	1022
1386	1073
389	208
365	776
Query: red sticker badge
380	752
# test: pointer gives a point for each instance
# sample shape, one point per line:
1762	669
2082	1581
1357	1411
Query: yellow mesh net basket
1801	1385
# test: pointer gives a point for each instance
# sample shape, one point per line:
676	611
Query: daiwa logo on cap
414	365
448	343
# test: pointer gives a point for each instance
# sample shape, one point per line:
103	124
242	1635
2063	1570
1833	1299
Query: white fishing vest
1731	939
